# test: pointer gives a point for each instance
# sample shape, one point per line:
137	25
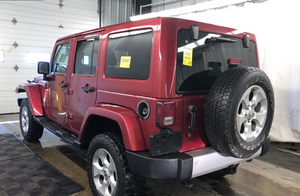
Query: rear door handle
63	85
88	89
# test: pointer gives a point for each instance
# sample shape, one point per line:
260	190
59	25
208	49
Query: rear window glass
86	57
200	62
129	55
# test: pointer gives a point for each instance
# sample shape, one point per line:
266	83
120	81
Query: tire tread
217	109
130	185
35	130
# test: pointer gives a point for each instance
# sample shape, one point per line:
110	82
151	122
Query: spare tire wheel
239	111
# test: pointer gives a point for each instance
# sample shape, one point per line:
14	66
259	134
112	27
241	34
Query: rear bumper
183	166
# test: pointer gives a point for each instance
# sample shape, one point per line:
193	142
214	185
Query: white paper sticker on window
188	56
125	61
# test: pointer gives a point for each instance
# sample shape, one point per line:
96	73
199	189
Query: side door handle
63	85
88	89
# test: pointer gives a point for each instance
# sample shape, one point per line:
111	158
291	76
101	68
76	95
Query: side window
86	57
129	55
60	59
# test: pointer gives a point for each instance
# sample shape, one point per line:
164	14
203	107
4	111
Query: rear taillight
235	61
165	113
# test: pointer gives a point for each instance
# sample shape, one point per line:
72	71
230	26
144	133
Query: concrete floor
271	176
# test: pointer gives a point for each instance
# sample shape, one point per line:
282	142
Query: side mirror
43	68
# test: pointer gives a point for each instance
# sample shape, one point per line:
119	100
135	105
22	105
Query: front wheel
31	130
107	168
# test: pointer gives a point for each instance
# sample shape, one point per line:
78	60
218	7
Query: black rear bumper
183	166
175	166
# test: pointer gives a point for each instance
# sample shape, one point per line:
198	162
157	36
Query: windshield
200	62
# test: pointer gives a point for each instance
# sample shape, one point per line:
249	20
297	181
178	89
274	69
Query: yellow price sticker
125	61
187	56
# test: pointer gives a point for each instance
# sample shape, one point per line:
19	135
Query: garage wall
39	24
115	11
159	5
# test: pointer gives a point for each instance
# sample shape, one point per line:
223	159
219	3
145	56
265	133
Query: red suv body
146	82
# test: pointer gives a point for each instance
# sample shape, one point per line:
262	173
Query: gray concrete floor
271	176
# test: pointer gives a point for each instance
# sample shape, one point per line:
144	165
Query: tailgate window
129	55
200	62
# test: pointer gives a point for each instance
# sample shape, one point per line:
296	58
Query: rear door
83	79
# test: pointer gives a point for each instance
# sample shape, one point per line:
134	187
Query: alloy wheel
104	172
252	113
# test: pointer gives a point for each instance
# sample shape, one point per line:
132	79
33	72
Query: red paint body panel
80	101
34	97
197	138
127	120
149	125
44	89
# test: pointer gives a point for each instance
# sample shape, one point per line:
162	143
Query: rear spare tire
239	111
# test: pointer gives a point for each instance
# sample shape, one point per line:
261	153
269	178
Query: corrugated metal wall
115	11
173	4
39	24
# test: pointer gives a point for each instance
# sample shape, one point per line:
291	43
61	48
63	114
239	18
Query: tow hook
232	169
187	184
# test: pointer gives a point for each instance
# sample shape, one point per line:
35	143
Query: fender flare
127	119
34	97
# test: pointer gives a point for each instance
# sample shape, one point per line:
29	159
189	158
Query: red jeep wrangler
162	98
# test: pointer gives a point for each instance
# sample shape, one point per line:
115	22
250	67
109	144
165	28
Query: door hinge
70	115
70	91
46	85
